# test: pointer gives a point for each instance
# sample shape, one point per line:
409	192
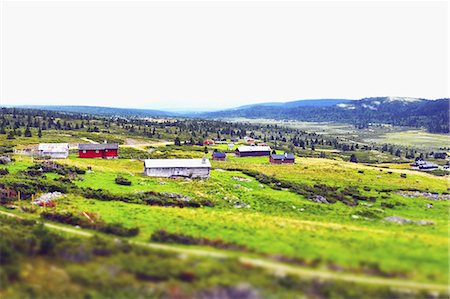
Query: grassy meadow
280	224
416	138
247	209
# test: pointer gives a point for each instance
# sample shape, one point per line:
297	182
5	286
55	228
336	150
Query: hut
101	150
189	168
282	159
53	150
253	151
208	142
218	156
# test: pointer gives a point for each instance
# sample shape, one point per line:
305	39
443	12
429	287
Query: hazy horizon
184	56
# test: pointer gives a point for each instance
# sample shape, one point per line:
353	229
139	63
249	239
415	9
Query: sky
213	55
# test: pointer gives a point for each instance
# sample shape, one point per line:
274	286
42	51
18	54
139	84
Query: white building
54	150
191	168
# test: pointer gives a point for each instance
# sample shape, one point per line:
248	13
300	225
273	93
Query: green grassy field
416	138
250	225
281	224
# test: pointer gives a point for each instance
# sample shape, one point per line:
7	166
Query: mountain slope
105	111
430	114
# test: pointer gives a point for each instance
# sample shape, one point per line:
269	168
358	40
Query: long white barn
191	168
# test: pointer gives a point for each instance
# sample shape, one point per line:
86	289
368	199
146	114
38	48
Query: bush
123	181
108	228
119	230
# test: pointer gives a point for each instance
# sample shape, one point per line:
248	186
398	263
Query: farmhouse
54	150
190	168
428	166
252	151
208	142
219	156
101	150
282	159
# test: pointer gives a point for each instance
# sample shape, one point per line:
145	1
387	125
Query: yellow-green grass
416	138
340	173
417	254
279	221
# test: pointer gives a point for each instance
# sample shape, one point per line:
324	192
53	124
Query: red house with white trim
101	150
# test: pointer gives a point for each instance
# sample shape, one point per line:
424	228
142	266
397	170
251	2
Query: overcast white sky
187	55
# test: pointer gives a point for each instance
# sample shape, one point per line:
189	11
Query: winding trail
271	266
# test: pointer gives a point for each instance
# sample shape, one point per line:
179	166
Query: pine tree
27	132
10	135
39	133
353	158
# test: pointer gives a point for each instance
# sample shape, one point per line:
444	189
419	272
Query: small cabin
428	166
282	159
253	151
172	168
249	140
208	142
101	150
219	156
54	150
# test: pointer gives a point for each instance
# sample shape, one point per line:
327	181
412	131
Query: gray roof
99	146
254	148
177	163
283	156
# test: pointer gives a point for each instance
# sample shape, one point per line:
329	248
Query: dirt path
141	146
273	267
88	140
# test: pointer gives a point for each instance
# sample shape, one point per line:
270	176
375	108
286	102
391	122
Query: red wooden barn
208	142
101	150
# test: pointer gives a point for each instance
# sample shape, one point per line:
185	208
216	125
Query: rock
242	291
176	195
401	220
424	222
47	198
397	219
366	204
5	159
319	199
427	195
429	205
238	178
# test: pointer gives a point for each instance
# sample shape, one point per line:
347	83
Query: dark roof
219	154
99	146
282	156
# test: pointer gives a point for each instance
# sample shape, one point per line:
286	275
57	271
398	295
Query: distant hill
299	103
105	111
402	111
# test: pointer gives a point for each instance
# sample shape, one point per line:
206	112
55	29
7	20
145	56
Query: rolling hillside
430	114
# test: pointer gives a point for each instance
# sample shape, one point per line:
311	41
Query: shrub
122	181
